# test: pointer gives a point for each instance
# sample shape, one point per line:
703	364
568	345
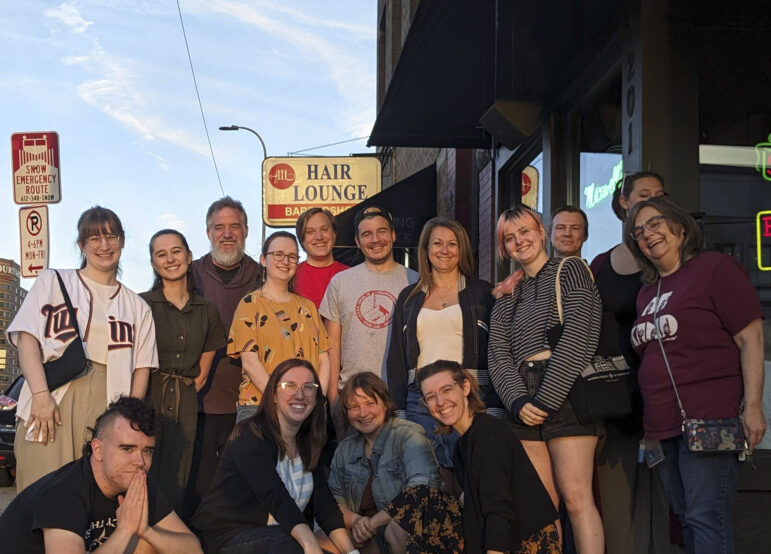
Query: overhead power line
324	146
198	95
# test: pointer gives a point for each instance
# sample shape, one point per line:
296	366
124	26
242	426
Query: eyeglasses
291	388
95	241
279	256
429	400
652	225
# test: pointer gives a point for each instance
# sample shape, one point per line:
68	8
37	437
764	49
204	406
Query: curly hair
138	411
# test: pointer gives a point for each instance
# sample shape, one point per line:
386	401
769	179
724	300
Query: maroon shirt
311	282
703	305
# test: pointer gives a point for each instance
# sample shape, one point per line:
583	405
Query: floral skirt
431	518
434	523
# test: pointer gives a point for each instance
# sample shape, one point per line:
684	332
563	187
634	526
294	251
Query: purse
602	389
721	435
73	362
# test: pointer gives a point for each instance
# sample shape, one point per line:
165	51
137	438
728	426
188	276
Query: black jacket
504	499
476	303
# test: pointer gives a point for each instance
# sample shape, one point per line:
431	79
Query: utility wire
323	146
198	95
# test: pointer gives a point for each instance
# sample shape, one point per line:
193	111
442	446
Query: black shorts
562	423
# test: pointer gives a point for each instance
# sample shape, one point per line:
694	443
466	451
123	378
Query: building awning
444	79
409	216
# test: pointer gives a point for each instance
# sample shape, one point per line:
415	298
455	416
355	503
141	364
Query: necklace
437	288
272	298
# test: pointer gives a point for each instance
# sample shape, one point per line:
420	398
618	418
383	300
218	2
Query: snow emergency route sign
33	231
36	171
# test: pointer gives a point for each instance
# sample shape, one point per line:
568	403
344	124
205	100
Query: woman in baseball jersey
118	334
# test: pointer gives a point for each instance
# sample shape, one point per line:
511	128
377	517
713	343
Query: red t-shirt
311	282
703	305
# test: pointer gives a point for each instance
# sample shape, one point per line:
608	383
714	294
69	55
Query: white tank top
440	335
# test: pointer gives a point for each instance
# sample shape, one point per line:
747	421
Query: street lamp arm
255	133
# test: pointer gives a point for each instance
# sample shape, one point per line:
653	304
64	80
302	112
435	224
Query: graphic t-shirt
362	300
700	309
311	282
277	331
67	499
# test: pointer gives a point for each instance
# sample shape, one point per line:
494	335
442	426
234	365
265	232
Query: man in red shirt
317	232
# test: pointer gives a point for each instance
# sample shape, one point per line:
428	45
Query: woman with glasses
535	357
505	506
273	324
269	473
635	512
445	315
118	335
700	319
386	479
188	332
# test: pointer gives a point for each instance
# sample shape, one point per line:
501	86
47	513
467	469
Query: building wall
11	297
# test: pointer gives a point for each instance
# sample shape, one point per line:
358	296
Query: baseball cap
371	211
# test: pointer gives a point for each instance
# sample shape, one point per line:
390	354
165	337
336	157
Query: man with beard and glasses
224	276
358	304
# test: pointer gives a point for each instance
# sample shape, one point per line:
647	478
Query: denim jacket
401	457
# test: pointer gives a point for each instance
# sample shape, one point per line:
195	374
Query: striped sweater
518	327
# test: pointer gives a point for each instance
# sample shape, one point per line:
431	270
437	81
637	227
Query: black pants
211	435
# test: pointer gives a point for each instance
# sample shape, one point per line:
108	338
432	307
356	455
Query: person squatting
271	406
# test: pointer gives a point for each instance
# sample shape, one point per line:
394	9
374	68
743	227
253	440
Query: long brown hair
157	281
465	255
678	221
475	403
265	423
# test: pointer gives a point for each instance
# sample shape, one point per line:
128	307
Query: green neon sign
763	158
595	193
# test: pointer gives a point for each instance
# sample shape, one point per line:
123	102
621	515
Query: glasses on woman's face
95	241
291	388
653	224
279	256
429	400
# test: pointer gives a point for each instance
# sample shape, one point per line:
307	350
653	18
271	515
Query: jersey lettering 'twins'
59	326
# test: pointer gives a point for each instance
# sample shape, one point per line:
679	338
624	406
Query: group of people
278	406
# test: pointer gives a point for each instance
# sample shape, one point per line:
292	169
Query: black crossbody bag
73	362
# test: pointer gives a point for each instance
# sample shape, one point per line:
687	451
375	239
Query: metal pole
265	156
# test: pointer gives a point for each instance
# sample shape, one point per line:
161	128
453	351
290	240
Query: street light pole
265	156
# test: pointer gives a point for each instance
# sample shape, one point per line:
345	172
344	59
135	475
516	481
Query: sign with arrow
33	231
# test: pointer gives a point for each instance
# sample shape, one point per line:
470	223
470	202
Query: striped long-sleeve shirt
518	330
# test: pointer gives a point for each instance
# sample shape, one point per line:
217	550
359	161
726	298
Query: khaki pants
84	401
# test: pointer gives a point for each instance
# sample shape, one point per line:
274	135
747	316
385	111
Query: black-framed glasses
291	388
652	224
429	400
279	256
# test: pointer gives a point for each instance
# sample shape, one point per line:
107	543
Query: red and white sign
33	231
292	185
530	187
36	171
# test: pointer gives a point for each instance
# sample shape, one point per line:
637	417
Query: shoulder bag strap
70	309
558	286
663	353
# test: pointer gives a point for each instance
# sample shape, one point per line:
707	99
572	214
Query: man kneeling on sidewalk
102	501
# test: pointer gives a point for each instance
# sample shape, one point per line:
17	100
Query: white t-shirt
440	335
362	300
96	346
43	314
298	482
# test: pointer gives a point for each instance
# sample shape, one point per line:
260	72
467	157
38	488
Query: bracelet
40	392
354	552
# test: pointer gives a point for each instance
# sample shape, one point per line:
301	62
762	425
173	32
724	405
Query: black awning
444	79
411	201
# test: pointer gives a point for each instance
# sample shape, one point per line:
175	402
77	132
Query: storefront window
600	172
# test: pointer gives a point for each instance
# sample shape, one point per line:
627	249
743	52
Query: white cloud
69	16
349	74
172	221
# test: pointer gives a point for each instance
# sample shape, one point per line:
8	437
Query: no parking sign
33	232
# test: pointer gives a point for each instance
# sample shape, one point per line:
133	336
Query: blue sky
112	78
